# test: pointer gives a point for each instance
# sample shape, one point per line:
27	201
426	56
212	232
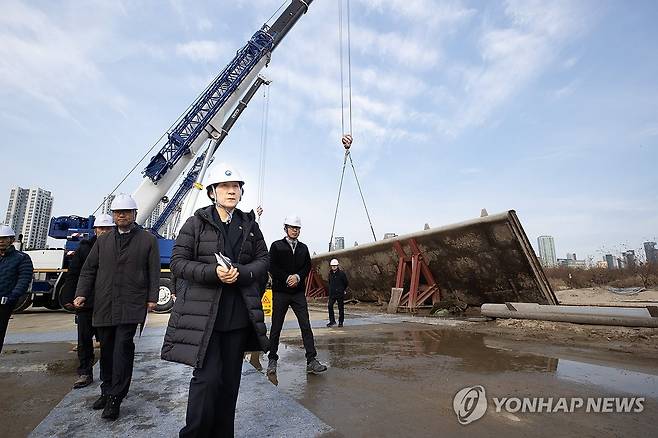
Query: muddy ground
33	378
392	377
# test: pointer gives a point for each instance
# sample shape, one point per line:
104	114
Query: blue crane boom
201	122
193	173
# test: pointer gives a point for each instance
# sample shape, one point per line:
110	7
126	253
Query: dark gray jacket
122	281
193	316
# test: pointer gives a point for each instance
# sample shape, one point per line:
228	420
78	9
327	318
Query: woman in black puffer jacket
218	313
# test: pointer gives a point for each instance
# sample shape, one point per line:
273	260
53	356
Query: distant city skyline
627	255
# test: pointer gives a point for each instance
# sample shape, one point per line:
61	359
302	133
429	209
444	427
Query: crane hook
347	141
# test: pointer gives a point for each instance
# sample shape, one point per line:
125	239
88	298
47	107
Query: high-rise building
339	243
16	208
621	264
651	252
28	213
610	261
629	258
547	255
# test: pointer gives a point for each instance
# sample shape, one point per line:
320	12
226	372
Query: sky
546	108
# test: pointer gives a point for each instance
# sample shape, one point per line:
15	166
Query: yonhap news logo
470	404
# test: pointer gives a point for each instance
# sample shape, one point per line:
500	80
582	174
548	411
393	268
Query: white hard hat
104	220
293	221
123	201
333	262
222	172
6	231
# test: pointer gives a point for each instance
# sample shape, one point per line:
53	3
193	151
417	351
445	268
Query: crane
207	120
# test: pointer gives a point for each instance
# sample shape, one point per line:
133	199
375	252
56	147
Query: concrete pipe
618	316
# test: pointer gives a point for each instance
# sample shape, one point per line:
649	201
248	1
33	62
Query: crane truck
188	150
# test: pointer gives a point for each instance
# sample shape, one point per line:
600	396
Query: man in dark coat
83	315
123	272
290	264
15	277
218	313
337	285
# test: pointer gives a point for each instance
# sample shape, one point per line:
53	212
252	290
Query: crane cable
347	136
263	148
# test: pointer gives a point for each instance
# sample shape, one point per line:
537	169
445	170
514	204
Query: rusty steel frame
315	287
415	298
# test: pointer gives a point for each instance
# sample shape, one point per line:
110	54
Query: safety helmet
6	231
104	220
123	201
333	262
293	221
222	172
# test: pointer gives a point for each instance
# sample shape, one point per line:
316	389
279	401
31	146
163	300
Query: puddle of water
616	379
400	381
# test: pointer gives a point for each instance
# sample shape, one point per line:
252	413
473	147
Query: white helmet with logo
333	262
104	220
293	221
6	231
222	172
123	201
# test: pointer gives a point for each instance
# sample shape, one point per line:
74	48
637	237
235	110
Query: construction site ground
389	375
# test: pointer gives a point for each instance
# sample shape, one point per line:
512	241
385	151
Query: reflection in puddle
401	381
412	355
616	379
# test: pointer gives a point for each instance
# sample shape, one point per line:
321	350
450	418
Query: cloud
427	14
406	50
512	56
44	58
565	91
204	51
204	24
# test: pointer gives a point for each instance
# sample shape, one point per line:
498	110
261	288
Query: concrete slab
485	260
157	400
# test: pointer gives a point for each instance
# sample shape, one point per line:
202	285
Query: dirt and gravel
599	296
36	375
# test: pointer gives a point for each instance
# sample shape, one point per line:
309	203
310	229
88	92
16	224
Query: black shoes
271	367
100	403
111	411
340	324
84	380
331	324
315	367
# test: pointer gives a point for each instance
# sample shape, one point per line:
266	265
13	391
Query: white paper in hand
223	261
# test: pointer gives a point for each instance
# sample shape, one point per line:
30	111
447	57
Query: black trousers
341	309
117	357
280	304
5	314
214	387
85	343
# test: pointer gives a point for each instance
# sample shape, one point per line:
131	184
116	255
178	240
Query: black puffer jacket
193	260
